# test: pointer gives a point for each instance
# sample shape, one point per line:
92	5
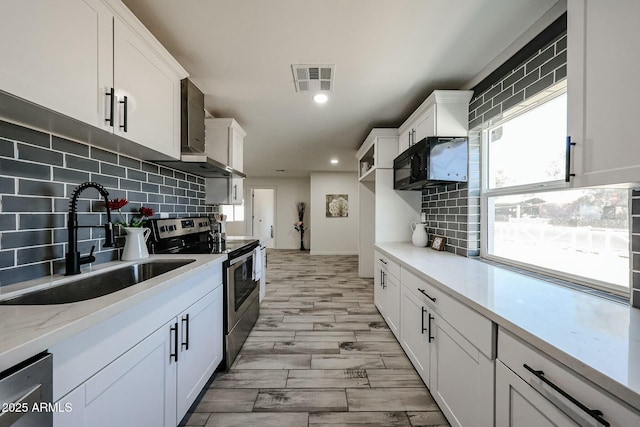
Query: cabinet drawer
514	353
414	283
476	328
385	262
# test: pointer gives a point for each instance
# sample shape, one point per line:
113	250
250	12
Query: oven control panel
175	227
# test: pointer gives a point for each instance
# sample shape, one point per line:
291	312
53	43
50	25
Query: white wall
288	192
334	236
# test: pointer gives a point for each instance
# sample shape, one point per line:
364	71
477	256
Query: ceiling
388	56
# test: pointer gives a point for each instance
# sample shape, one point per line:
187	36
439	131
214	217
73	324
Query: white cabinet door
58	54
133	390
602	60
224	142
237	148
148	94
415	333
386	293
391	288
519	405
378	292
404	141
237	191
200	348
425	125
462	378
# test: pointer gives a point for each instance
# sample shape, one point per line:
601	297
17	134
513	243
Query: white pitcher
135	246
419	237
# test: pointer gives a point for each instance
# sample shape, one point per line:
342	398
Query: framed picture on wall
337	205
438	243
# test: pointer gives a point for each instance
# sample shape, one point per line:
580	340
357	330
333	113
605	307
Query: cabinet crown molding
437	97
123	13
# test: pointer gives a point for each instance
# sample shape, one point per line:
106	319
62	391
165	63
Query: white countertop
26	330
596	337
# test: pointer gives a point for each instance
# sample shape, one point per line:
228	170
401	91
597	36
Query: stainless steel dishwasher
26	392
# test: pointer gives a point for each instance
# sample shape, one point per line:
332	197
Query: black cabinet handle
384	280
567	173
431	338
594	413
111	94
383	261
174	330
185	343
124	120
422	319
427	295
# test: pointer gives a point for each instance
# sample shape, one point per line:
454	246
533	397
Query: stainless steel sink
97	285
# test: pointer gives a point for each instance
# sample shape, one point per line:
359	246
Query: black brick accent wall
38	173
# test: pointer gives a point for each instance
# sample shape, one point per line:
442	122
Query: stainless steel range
241	287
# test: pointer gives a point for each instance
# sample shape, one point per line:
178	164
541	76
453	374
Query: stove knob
163	229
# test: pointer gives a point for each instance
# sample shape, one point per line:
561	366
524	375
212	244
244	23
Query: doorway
263	215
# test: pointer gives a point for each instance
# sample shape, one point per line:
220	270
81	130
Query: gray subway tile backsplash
24	169
36	154
68	175
35	188
19	133
62	144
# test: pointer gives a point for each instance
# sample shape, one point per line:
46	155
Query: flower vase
302	239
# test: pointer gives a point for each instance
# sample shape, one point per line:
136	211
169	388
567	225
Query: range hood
193	158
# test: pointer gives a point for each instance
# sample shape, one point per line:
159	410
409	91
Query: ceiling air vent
313	78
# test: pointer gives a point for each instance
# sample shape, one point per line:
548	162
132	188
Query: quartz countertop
26	330
594	336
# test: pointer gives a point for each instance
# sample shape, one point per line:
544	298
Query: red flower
117	203
148	212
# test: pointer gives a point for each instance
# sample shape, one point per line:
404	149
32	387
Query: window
530	219
233	212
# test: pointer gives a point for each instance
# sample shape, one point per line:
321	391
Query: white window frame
232	218
556	185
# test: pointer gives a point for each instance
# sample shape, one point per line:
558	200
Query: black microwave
432	161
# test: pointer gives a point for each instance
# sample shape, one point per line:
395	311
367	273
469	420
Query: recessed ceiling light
320	98
334	161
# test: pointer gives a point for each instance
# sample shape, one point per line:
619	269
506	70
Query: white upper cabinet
225	142
147	91
58	54
603	64
443	113
377	151
81	58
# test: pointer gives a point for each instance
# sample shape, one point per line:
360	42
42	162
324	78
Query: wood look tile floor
319	355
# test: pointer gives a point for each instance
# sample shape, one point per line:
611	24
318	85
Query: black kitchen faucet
73	260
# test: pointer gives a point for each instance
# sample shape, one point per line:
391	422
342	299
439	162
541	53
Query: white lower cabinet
461	377
518	404
131	391
200	349
452	347
415	320
386	292
523	398
115	374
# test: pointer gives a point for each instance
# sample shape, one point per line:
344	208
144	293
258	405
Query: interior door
264	207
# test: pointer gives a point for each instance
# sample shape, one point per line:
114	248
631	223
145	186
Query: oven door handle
241	258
